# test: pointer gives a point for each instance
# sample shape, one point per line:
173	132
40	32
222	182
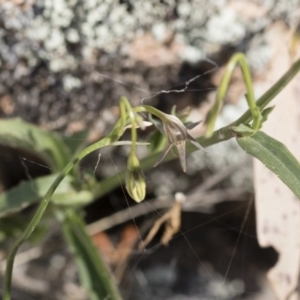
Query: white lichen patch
225	28
70	82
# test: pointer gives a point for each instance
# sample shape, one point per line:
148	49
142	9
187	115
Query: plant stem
131	116
222	90
33	223
108	184
108	140
152	110
223	134
271	93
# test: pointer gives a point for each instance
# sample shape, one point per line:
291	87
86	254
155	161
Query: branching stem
222	90
253	113
223	134
112	137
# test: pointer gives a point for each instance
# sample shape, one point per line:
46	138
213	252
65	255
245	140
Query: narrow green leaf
29	192
275	156
47	145
13	226
93	272
76	141
157	142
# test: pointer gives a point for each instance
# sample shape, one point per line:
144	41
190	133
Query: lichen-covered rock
51	51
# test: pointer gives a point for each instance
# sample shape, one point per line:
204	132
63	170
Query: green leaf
242	130
29	192
19	134
93	272
265	113
76	141
13	226
275	156
157	141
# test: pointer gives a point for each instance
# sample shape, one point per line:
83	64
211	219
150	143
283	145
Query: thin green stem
131	116
152	110
114	135
33	223
222	90
123	108
271	93
223	134
106	185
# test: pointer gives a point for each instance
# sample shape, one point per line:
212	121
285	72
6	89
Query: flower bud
135	185
134	180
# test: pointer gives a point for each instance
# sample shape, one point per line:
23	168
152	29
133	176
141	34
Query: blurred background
65	64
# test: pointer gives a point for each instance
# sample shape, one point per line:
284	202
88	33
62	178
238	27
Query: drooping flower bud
135	185
134	180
